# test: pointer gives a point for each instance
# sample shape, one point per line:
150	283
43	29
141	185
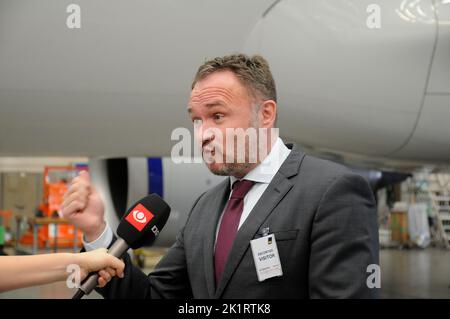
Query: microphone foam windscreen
143	221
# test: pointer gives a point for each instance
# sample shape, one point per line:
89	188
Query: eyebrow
208	105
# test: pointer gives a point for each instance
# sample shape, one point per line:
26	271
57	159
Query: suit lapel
276	190
216	207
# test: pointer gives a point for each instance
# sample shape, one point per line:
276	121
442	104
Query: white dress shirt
262	175
103	241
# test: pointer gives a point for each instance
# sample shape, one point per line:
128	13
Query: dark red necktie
229	225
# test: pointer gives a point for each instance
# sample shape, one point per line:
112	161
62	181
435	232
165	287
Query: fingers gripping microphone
142	221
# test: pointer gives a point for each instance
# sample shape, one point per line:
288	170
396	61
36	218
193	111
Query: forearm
23	271
96	233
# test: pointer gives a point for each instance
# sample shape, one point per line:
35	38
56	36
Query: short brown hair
252	71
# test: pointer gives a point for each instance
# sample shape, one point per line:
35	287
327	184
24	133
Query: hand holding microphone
99	260
143	221
26	271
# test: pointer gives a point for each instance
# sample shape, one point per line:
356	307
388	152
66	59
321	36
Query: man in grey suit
317	219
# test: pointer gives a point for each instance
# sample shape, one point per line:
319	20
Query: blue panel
155	176
81	166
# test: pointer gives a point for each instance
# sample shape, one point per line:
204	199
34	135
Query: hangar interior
102	85
413	214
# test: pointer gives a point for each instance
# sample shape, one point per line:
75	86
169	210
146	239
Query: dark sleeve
169	279
135	283
344	240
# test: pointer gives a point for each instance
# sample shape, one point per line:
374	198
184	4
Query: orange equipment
56	180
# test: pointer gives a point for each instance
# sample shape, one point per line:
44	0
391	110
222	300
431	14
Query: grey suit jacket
325	223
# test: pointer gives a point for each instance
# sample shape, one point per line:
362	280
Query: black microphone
141	223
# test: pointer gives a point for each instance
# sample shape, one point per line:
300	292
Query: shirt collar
266	170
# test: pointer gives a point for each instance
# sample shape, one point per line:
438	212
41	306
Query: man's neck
252	166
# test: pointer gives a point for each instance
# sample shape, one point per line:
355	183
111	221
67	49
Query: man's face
217	102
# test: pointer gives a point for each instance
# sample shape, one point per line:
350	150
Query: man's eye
218	116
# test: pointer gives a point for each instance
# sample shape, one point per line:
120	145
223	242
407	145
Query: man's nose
204	133
207	136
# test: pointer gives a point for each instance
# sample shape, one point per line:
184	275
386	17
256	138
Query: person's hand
100	261
84	207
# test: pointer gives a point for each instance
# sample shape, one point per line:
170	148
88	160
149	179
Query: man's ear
268	113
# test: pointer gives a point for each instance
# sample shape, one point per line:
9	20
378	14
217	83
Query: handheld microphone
143	221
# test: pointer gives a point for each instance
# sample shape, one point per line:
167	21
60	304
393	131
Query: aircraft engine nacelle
122	181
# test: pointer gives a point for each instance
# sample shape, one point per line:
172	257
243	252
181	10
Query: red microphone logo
139	217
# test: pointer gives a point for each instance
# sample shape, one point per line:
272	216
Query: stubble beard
237	170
